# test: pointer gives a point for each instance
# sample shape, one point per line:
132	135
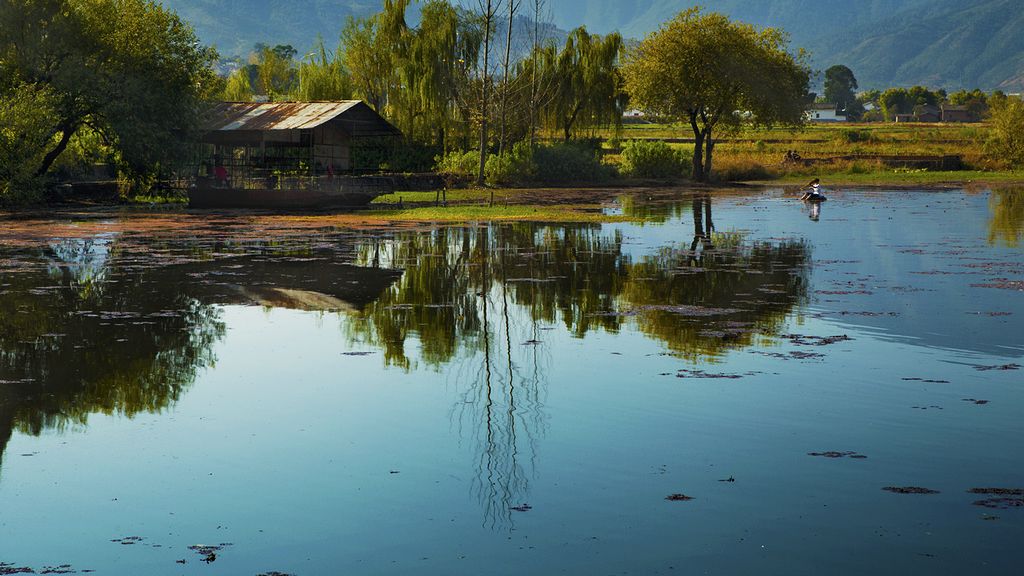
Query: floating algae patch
792	355
1000	503
688	310
999	498
838	454
803	340
686	373
909	490
209	551
62	569
998	491
983	368
678	497
1002	284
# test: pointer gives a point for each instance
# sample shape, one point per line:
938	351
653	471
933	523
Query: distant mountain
951	44
234	26
803	19
948	44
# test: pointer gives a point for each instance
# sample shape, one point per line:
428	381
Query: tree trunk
709	146
533	72
488	15
570	121
504	80
698	149
67	131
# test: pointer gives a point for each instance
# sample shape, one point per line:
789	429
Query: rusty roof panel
261	116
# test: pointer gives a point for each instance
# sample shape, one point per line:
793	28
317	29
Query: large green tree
1006	140
907	101
840	89
127	69
712	73
840	84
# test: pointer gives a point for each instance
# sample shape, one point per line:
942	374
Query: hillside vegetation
947	44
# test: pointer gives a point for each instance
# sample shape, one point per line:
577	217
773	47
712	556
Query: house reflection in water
113	325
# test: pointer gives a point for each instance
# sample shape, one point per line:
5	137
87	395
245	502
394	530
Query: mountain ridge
937	43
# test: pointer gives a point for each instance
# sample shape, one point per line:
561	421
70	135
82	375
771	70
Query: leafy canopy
127	69
713	73
840	84
1007	136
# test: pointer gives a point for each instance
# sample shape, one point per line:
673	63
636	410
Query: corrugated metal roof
262	116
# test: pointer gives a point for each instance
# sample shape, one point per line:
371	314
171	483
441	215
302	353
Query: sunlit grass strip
556	213
906	177
457	195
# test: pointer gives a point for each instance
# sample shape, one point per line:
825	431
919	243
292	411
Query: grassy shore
855	153
840	154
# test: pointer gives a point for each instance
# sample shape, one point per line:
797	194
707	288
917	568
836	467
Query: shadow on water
115	324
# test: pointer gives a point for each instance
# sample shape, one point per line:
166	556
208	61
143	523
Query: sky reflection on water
520	398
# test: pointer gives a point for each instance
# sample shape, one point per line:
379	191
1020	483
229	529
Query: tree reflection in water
84	329
1007	222
479	298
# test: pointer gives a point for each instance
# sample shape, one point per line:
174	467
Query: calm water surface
202	394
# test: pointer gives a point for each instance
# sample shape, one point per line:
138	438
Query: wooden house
287	155
951	113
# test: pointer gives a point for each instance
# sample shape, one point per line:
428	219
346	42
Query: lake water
246	394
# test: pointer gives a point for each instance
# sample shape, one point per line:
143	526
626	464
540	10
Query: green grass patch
147	199
903	177
457	195
475	213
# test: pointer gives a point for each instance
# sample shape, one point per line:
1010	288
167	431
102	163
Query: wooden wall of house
332	146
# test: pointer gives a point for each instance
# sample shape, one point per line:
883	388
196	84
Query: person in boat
812	193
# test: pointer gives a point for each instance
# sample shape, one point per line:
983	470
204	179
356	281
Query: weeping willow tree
418	77
323	76
370	66
238	87
276	74
587	86
440	54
